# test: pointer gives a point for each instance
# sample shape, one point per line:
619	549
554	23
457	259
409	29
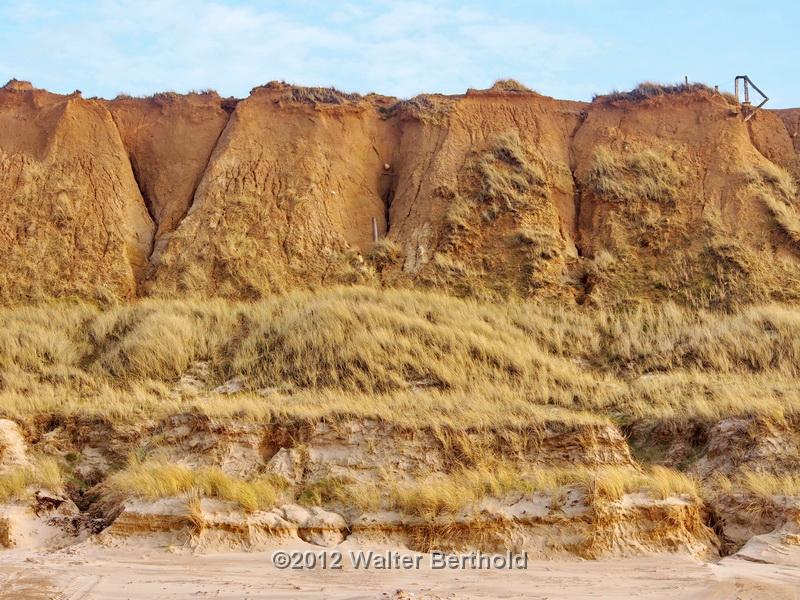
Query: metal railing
746	105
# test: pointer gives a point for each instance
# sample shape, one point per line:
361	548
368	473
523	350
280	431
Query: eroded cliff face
791	118
493	193
74	222
169	140
483	194
675	200
292	185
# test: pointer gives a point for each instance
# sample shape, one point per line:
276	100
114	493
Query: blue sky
568	49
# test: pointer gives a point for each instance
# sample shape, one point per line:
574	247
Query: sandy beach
93	572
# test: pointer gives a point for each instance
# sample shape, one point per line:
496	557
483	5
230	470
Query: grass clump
510	173
45	472
340	491
542	244
455	492
452	493
155	479
643	174
767	485
650	89
324	491
613	482
778	190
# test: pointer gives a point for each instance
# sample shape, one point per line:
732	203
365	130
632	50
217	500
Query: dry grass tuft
643	174
649	89
156	479
450	494
778	190
45	473
511	173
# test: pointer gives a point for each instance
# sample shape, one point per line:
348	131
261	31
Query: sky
567	49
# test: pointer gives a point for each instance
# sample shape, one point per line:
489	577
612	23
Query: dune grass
44	472
155	479
449	494
778	190
421	359
435	496
642	174
342	491
768	485
415	359
761	493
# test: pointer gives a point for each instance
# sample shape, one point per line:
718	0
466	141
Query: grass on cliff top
416	358
508	86
650	89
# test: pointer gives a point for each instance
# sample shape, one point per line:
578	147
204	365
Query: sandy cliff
74	222
169	140
501	192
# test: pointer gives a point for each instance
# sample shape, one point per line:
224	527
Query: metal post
374	229
736	89
746	92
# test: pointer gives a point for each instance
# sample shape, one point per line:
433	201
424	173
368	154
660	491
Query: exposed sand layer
323	465
145	572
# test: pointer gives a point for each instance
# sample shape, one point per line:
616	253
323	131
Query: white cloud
107	46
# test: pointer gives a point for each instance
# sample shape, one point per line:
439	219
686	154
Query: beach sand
765	569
